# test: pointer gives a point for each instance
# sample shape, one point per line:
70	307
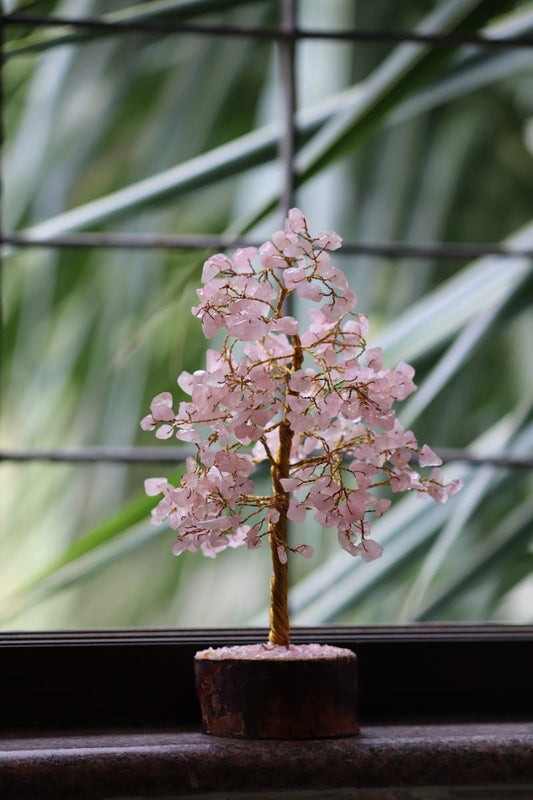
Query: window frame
132	677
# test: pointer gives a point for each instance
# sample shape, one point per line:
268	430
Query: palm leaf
408	527
510	535
479	287
404	71
261	146
465	507
143	12
110	540
84	368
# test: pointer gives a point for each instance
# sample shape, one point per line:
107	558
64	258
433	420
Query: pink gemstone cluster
317	404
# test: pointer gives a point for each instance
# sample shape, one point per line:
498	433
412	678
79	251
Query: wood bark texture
278	699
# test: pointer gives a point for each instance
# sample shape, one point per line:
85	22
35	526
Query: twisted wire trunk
279	582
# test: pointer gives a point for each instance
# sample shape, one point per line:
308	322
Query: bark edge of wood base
278	698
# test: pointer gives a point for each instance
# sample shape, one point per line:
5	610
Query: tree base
271	692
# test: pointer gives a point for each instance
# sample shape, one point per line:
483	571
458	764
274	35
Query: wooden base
278	699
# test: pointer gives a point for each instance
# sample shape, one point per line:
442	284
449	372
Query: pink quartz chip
269	652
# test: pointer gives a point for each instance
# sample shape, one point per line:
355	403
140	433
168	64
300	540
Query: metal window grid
287	35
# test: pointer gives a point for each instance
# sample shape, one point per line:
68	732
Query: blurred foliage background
145	133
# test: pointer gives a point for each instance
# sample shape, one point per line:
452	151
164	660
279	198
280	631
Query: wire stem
277	532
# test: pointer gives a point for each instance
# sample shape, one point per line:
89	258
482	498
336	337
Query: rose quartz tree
315	403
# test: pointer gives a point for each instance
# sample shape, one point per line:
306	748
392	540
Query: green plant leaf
405	69
467	502
106	542
408	526
261	146
77	570
485	284
513	532
454	357
152	10
403	72
73	317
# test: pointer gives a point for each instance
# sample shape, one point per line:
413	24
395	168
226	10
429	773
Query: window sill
173	763
103	715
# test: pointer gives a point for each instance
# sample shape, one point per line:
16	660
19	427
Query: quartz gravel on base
273	652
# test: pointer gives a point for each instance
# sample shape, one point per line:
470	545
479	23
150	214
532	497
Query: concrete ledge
177	764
